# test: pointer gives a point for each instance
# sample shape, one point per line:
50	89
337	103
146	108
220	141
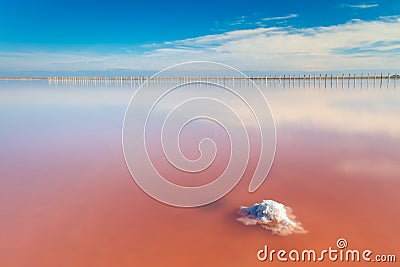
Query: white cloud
239	21
251	22
363	6
291	16
354	45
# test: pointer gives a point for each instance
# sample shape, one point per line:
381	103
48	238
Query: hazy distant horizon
148	73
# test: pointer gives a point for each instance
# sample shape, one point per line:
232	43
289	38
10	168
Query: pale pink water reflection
67	198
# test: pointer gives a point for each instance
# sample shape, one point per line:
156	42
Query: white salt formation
271	215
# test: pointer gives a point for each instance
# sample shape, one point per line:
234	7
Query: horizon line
347	75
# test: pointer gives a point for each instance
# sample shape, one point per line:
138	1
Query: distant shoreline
144	78
23	79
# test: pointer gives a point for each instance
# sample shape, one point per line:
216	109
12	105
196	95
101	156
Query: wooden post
342	80
337	81
348	82
299	80
294	80
320	80
315	80
284	80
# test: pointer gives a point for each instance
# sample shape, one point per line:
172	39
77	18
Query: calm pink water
67	198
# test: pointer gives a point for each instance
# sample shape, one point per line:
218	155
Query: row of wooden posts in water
332	81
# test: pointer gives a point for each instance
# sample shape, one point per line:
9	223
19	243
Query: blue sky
257	35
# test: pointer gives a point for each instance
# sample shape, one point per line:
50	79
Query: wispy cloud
360	6
291	16
381	48
251	22
364	6
239	21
